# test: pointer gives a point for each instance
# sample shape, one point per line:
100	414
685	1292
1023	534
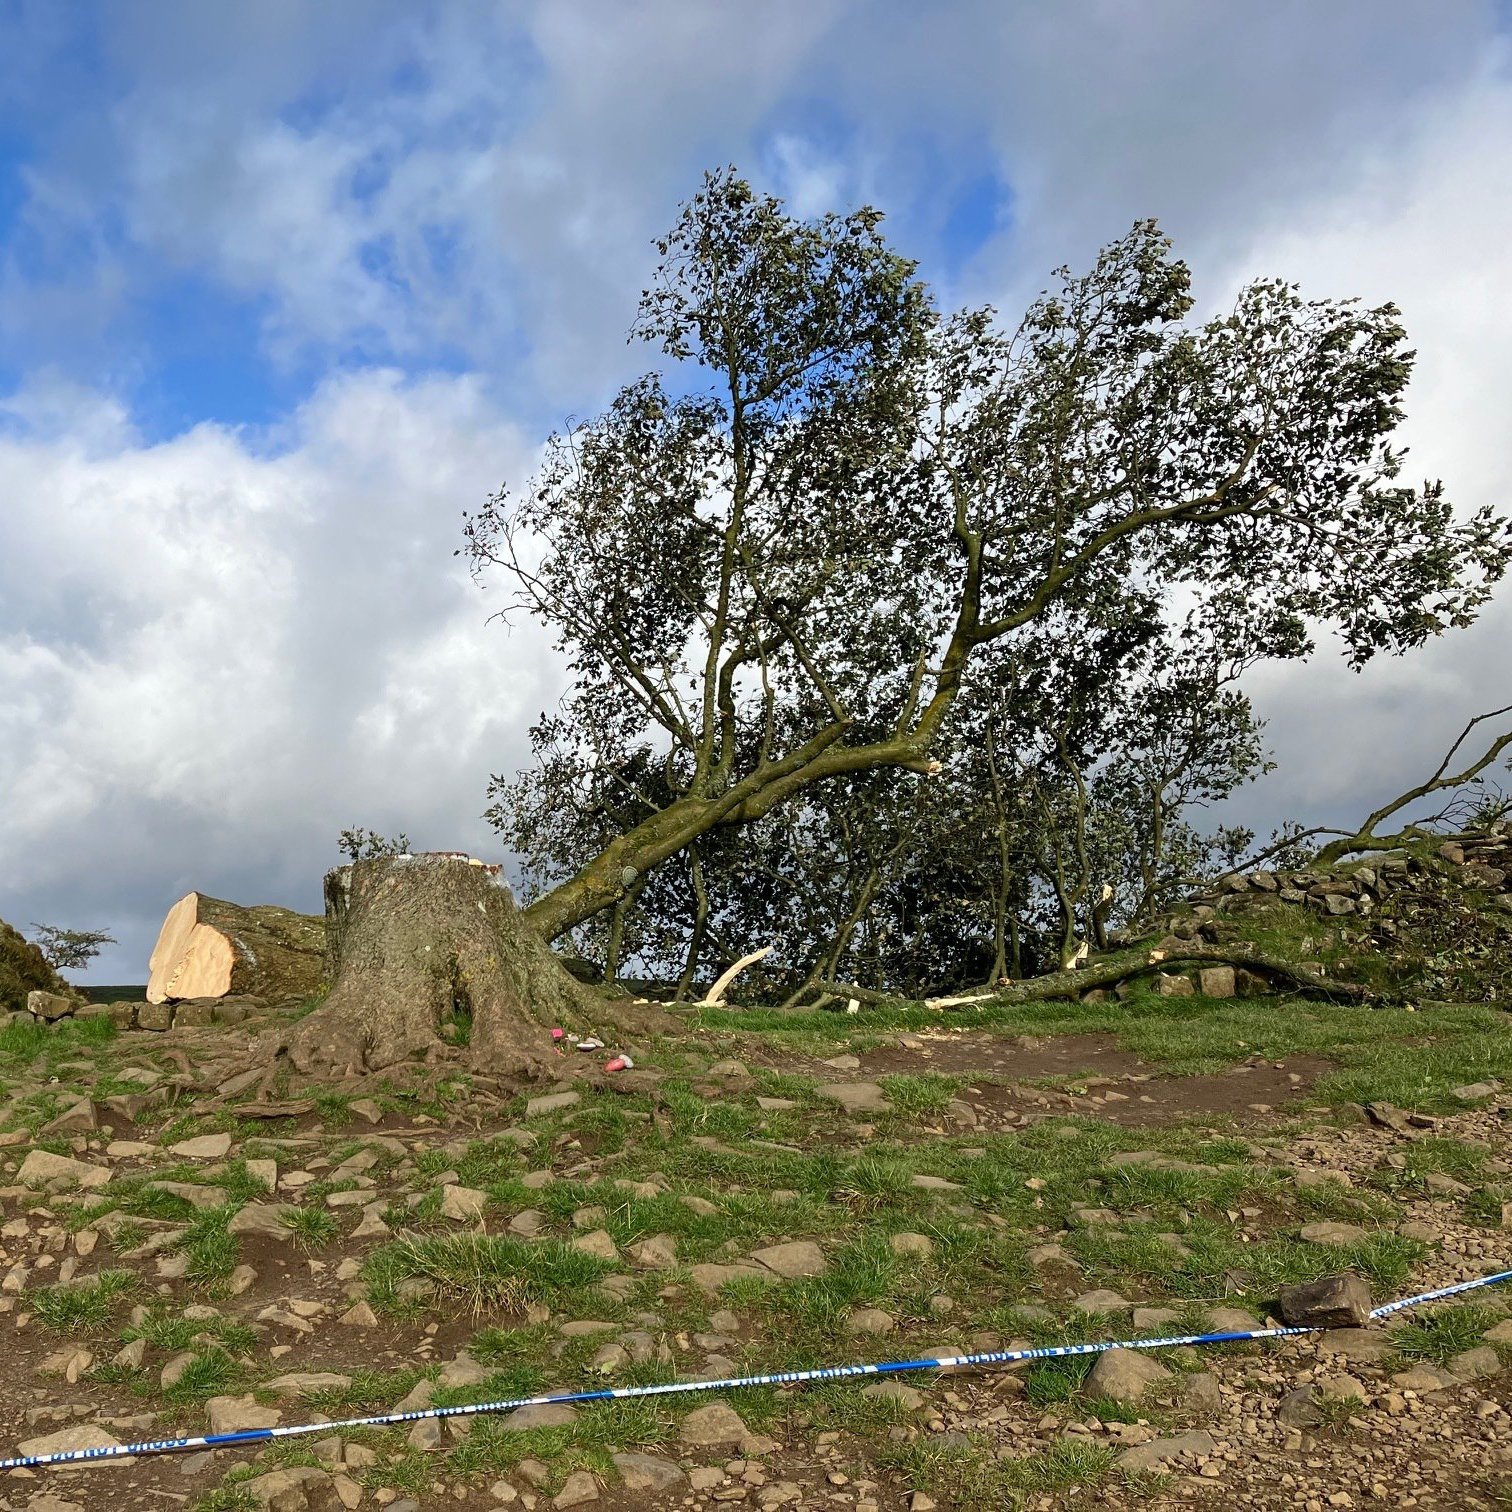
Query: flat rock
1474	1091
1230	1320
919	1246
544	1415
79	1116
462	1203
1123	1375
43	1168
462	1371
201	1198
262	1218
1301	1408
75	1436
578	1489
230	1414
856	1097
659	1252
1475	1364
300	1383
710	1425
795	1261
895	1391
710	1277
205	1147
598	1242
1102	1301
645	1472
1196	1444
1200	1395
1333	1234
552	1102
1423	1377
870	1320
301	1489
1362	1345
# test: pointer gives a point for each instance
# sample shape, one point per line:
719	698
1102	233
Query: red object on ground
620	1063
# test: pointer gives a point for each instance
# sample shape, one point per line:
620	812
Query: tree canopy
837	533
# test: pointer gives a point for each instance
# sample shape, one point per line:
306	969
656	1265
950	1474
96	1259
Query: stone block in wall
1217	982
156	1016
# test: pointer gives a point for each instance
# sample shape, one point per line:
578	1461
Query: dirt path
1095	1076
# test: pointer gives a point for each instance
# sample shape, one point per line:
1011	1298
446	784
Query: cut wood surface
210	948
716	993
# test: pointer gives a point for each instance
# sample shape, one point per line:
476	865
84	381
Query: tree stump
419	943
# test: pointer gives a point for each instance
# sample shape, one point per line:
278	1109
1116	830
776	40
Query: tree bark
210	948
422	942
1133	963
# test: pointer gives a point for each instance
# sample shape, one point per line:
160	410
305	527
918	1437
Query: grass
1440	1335
922	1096
172	1332
213	1251
28	1042
311	1226
82	1306
1392	1054
481	1271
212	1372
970	1474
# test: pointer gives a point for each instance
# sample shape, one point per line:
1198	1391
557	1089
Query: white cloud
243	649
1424	226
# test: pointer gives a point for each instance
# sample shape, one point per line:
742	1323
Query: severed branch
1134	963
1365	837
715	994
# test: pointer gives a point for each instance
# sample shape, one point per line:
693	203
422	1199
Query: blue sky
284	288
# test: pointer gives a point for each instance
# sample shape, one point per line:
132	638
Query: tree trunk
422	942
210	948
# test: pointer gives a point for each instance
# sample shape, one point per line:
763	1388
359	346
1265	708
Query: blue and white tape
733	1383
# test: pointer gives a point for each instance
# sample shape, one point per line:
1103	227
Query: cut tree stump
428	951
208	948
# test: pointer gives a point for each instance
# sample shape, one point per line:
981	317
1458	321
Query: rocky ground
176	1259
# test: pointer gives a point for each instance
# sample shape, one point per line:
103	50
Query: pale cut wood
716	993
210	948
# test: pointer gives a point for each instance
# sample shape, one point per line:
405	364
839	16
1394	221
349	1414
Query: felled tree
779	562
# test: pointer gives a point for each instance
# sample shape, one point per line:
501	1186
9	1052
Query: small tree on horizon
69	949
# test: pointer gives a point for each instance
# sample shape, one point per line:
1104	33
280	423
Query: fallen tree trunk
1134	963
430	949
210	948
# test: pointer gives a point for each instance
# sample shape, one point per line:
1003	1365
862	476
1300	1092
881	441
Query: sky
285	288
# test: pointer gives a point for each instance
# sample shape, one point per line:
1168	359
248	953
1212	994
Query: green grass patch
969	1473
1440	1335
481	1271
310	1226
212	1372
82	1306
925	1095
